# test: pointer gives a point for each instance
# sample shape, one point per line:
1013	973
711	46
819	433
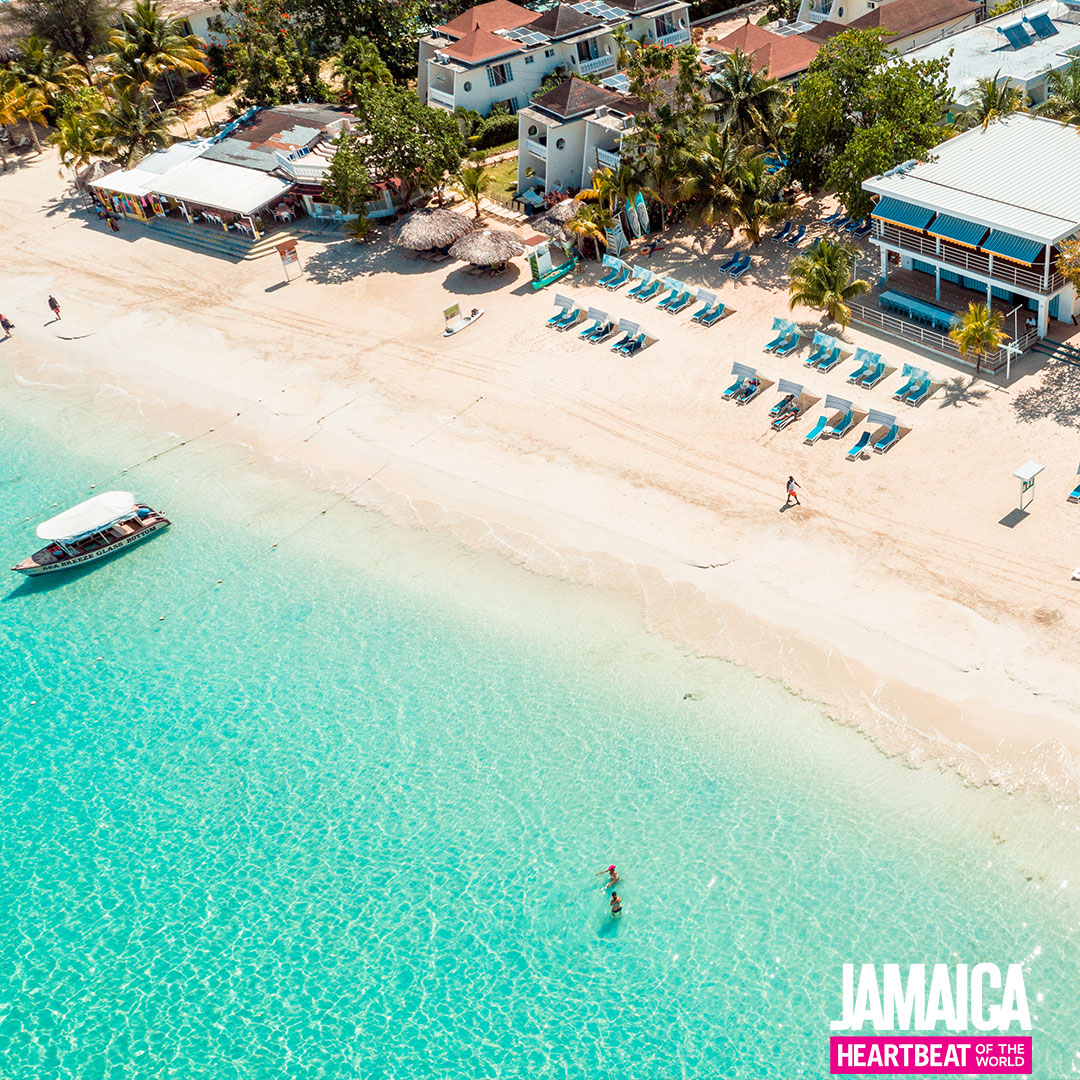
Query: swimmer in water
612	873
616	904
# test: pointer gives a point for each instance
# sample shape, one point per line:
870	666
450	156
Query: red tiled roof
495	15
902	17
479	45
782	55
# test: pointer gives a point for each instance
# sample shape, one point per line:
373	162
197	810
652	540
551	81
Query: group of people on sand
7	325
615	900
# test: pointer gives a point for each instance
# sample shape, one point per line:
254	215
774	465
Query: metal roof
221	186
141	179
1018	175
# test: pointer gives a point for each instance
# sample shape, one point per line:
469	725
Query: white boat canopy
96	513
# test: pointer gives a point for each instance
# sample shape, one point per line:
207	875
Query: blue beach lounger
819	353
789	345
902	393
875	376
670	299
860	448
569	317
830	360
681	302
778	340
748	392
785	404
643	296
712	316
863	230
785	418
614	267
729	262
840	428
814	433
887	440
565	307
834	217
624	340
737	272
796	237
920	393
619	280
632	345
734	387
862	371
1074	495
781	234
842	224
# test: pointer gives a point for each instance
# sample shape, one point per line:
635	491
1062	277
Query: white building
910	23
986	214
499	53
1020	48
570	132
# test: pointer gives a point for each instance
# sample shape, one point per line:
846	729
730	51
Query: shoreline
941	647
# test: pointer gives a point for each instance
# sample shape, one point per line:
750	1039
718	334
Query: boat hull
32	569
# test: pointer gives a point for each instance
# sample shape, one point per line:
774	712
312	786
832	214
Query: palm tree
78	138
1063	94
978	333
43	67
710	165
472	180
625	46
821	278
758	197
132	125
360	65
663	181
746	100
148	44
987	102
9	115
612	187
20	100
591	224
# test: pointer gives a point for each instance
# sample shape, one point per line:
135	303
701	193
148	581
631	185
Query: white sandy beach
895	594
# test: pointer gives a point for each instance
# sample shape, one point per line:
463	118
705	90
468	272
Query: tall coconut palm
987	101
821	278
359	65
147	45
41	66
758	199
78	138
20	100
710	165
662	181
1063	94
472	180
589	226
132	125
746	100
978	333
9	113
612	187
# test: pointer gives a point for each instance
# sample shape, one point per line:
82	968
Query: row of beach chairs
679	295
599	327
789	234
857	227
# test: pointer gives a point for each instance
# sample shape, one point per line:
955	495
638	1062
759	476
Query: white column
1044	315
989	297
1046	268
937	282
884	265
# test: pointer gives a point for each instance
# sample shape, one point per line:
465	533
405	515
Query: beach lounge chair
834	217
920	393
571	319
789	345
860	449
778	340
643	296
636	342
610	274
560	315
1074	495
902	393
785	404
619	280
842	224
863	230
814	433
592	327
729	262
819	353
715	315
681	302
840	428
785	418
733	389
887	440
670	299
875	376
737	272
781	234
600	333
646	279
796	237
748	392
862	371
829	360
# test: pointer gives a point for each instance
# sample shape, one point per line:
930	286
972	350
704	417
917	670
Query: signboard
540	261
289	256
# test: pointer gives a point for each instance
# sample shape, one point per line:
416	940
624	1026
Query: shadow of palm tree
1056	397
961	390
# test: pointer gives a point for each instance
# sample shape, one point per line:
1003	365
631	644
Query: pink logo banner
855	1055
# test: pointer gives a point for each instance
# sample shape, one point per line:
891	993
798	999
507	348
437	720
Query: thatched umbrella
429	228
563	212
487	247
551	228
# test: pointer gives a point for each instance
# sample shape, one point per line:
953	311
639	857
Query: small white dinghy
456	322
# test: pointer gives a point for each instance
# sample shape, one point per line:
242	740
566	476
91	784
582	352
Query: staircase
1057	350
233	246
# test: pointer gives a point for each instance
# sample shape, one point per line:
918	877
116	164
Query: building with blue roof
984	215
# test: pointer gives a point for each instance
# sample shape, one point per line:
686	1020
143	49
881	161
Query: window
560	144
530	59
549	53
532	131
665	25
499	75
467	87
586	50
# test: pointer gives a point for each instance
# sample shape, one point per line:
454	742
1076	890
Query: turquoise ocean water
339	816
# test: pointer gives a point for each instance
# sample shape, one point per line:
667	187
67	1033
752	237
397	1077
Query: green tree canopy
359	64
132	126
80	27
346	182
861	109
821	278
1063	94
148	44
42	66
406	140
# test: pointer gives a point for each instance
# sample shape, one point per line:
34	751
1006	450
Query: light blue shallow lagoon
339	816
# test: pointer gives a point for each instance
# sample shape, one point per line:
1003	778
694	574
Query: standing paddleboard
632	219
642	212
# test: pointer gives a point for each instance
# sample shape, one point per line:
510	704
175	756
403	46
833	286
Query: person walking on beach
792	484
55	307
7	325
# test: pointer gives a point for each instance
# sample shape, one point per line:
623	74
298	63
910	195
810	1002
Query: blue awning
963	232
902	213
1017	248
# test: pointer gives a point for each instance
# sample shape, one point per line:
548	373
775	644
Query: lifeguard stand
1026	475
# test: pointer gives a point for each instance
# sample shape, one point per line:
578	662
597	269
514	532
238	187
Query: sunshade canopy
1017	248
839	403
96	513
875	416
968	233
901	213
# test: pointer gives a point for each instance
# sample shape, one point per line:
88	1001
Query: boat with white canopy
93	529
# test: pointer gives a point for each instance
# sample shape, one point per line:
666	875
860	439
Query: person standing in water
612	873
616	904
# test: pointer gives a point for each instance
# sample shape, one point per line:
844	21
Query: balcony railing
306	167
440	98
597	63
932	341
607	160
976	262
537	148
676	37
817	16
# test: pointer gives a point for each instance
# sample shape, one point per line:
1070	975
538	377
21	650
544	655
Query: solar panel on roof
1016	35
598	9
1042	25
